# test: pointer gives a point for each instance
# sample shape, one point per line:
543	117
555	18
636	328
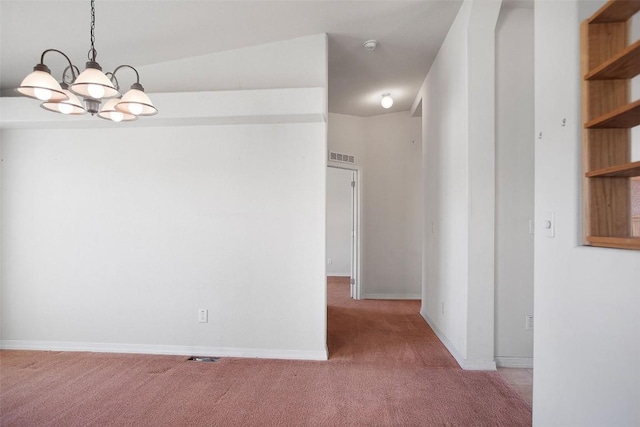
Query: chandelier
99	91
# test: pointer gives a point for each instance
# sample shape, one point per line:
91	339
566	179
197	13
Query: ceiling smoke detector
370	44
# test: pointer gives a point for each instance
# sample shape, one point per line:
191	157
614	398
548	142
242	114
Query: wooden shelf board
624	117
627	170
624	65
615	242
615	11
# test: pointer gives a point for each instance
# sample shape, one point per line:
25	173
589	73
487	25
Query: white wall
514	185
339	221
458	159
393	207
288	63
388	152
1	233
481	273
346	134
114	237
445	134
587	331
120	236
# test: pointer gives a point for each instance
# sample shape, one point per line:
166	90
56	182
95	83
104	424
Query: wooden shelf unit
627	170
615	11
624	65
615	242
609	62
624	117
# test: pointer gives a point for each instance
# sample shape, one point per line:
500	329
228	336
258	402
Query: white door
354	235
342	226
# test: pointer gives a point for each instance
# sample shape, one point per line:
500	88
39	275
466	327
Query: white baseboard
468	365
338	274
165	349
393	296
515	362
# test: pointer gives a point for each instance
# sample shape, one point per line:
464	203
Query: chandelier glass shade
71	106
41	85
109	112
93	83
100	92
136	102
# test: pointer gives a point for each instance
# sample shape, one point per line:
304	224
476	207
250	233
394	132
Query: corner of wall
459	174
466	364
1	226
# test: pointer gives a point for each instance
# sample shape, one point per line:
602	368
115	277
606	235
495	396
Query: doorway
343	226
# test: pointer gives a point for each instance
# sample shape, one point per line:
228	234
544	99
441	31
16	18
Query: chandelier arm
127	66
71	66
74	70
113	79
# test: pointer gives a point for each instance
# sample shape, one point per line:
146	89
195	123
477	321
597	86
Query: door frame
356	247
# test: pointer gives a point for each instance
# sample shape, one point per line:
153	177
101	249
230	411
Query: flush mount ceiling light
386	101
92	85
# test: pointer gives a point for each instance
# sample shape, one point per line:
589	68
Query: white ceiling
153	31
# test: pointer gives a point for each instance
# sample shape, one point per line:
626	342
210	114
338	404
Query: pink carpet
386	368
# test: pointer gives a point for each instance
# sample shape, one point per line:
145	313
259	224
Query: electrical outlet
528	322
549	224
203	315
329	261
442	309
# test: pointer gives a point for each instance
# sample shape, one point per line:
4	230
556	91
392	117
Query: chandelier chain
93	52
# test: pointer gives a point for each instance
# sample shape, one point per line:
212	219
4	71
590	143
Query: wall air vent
342	158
